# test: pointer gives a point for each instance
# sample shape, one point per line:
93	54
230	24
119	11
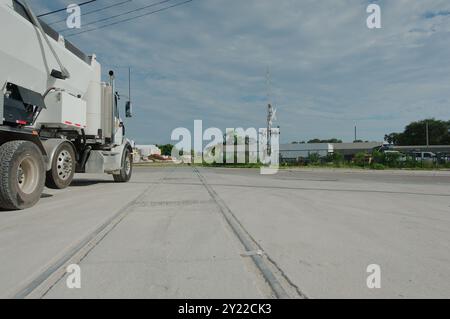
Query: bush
314	158
360	159
377	166
378	157
411	162
392	159
337	159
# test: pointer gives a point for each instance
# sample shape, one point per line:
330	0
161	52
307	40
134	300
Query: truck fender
107	161
8	134
50	145
121	149
128	145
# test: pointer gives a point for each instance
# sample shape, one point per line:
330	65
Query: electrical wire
129	19
121	14
94	11
64	9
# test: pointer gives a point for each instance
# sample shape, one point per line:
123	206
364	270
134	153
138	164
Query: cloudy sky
208	59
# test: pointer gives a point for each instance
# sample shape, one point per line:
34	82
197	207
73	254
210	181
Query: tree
392	138
166	149
331	140
415	133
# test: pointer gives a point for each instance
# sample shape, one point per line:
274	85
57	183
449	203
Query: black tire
127	168
63	167
22	175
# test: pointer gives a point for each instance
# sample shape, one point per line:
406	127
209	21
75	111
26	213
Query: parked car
424	156
443	158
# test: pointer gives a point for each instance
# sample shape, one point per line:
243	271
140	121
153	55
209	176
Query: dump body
27	61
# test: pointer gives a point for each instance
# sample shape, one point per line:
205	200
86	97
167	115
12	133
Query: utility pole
129	105
129	83
269	128
355	134
427	134
269	113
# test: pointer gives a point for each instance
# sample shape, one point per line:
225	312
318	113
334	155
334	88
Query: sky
208	60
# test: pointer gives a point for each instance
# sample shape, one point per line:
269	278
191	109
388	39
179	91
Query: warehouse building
298	152
349	150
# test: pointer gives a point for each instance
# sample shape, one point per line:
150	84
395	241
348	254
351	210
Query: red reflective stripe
21	122
67	122
79	125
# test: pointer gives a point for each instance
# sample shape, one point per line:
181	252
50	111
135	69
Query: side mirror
128	109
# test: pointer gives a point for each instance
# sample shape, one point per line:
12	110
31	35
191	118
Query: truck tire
127	168
22	174
63	167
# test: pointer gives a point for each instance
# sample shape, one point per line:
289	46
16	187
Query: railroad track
274	277
280	284
39	286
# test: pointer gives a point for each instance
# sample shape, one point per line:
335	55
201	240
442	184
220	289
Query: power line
94	11
64	9
129	19
121	14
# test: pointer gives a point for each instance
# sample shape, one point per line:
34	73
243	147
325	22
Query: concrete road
233	233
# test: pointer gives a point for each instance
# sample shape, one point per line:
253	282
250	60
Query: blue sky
208	59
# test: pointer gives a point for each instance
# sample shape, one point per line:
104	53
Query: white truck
424	156
56	115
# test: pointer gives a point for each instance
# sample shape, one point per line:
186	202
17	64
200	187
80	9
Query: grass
343	165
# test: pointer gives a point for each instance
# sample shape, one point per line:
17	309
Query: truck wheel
127	168
63	167
22	174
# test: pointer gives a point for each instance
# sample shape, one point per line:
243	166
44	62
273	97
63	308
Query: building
249	152
296	152
349	150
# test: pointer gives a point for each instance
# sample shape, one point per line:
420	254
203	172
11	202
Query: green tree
331	140
166	149
415	133
392	138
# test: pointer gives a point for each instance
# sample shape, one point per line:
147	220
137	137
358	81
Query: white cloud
207	60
